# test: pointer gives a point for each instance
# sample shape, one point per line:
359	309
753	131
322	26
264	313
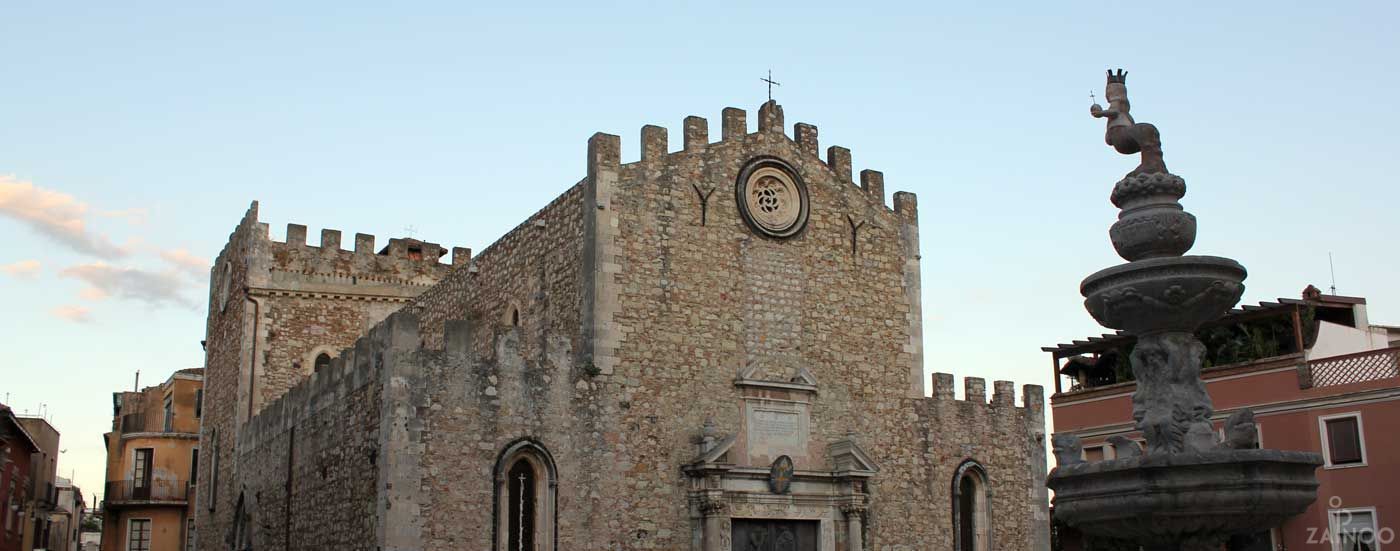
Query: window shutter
1343	441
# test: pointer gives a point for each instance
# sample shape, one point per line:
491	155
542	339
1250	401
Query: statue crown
1120	78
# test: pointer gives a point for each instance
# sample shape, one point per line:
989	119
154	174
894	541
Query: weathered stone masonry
275	306
640	331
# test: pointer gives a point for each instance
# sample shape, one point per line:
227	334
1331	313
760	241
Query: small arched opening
323	361
525	498
971	526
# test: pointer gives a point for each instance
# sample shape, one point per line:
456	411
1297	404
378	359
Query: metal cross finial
411	230
1092	99
770	82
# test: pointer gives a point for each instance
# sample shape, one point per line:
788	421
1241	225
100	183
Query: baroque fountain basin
1163	294
1178	496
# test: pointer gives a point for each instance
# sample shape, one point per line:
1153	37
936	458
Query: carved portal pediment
848	458
716	451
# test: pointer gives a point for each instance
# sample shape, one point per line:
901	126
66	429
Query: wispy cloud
133	216
24	269
154	288
182	259
54	214
73	313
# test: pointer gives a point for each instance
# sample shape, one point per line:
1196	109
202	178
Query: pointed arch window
971	526
525	498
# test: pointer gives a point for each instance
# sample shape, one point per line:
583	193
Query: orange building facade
152	455
1318	377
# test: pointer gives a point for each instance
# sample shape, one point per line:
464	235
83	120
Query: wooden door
775	535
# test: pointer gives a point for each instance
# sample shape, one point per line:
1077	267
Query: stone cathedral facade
713	348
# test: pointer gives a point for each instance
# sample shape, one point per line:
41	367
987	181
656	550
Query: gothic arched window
323	360
970	500
525	491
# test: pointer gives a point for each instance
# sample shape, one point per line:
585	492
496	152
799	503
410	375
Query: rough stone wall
227	358
534	268
273	307
700	302
1005	440
310	461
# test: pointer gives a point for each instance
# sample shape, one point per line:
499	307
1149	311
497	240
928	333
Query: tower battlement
975	392
734	132
294	264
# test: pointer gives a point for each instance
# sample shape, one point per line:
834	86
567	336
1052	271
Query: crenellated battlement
654	146
975	392
403	249
400	269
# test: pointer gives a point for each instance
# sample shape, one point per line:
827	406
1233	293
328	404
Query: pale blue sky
167	119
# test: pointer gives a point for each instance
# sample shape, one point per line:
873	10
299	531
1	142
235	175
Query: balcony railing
124	492
1373	365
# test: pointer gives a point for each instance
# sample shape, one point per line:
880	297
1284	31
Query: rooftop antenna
1333	269
771	83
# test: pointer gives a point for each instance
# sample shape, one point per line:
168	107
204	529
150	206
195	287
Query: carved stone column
854	526
716	513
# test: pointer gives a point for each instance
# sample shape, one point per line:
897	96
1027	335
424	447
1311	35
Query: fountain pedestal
1190	490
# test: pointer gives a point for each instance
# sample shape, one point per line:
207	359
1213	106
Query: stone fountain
1190	490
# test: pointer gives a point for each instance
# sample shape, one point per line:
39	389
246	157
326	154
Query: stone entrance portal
767	486
775	535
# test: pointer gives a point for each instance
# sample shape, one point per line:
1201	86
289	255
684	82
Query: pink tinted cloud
73	313
53	214
153	288
24	269
182	259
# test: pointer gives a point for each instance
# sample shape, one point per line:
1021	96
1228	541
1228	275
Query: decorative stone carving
1240	431
1068	449
1124	446
713	507
1152	222
1170	400
1163	294
772	198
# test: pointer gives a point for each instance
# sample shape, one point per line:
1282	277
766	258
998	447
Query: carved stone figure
1068	449
1124	134
1124	447
1170	401
1240	431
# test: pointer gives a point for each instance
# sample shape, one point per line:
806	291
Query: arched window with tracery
525	498
971	527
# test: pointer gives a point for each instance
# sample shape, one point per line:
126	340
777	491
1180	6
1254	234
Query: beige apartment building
152	455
